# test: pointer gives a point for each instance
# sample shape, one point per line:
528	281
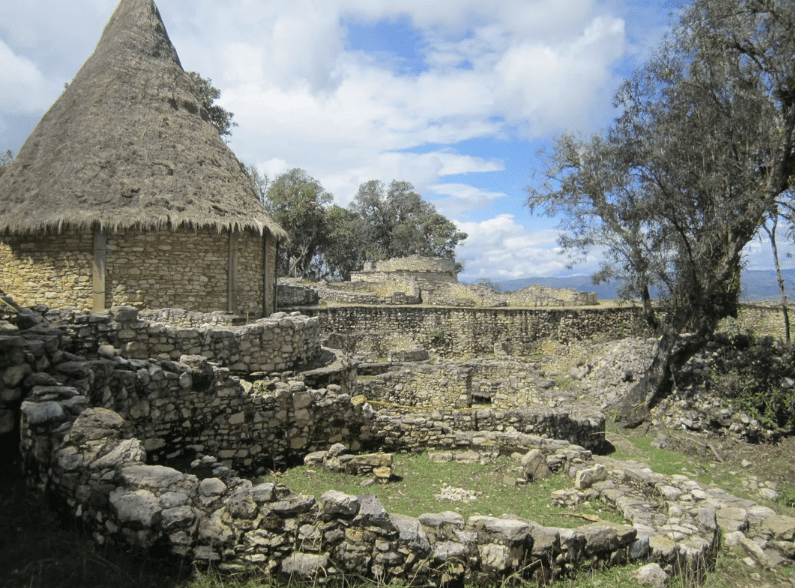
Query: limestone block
178	517
94	424
304	566
15	374
214	528
153	477
650	575
372	513
38	413
585	478
732	519
447	551
139	506
535	466
606	537
438	520
292	505
506	530
494	557
211	487
339	503
780	527
411	534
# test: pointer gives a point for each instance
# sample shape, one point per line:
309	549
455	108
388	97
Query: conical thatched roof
128	145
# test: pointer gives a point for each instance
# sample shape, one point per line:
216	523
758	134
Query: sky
459	98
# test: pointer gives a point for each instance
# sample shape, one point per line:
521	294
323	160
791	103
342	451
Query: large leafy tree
398	222
687	174
221	118
344	250
298	203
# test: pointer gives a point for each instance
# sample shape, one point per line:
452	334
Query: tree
208	94
398	222
686	175
261	181
297	202
771	235
343	251
6	159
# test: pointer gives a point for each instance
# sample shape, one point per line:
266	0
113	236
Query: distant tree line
329	241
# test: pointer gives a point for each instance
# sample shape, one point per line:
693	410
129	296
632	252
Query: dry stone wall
471	332
95	461
276	343
503	385
51	268
145	269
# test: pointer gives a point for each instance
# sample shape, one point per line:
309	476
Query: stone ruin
102	429
420	280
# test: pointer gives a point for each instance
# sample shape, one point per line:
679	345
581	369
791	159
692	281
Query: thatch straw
128	145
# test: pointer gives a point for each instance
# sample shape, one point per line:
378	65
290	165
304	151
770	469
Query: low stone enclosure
105	432
396	288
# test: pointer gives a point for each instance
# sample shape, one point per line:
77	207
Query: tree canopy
327	240
221	118
298	203
398	222
6	159
684	178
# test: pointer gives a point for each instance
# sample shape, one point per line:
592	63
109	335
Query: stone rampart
472	332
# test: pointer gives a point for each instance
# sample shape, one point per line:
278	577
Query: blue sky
456	97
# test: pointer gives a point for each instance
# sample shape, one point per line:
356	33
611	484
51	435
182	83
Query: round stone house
125	193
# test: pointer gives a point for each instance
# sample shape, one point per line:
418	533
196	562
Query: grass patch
422	479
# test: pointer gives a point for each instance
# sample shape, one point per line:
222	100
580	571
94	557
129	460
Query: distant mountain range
757	285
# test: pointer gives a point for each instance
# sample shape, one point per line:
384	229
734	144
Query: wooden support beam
100	252
231	272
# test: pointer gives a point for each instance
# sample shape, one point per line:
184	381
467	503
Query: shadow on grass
38	549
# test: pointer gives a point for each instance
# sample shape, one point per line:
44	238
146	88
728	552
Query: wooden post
100	242
231	265
265	274
275	304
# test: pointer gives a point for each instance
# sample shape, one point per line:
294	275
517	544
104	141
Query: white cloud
503	249
24	88
461	198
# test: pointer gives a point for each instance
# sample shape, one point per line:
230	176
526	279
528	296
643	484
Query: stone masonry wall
547	296
421	386
51	268
276	343
468	332
182	269
144	269
95	460
504	385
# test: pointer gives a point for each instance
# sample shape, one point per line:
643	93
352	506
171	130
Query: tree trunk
771	233
648	310
671	353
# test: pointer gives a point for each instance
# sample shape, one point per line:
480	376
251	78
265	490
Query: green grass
422	479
